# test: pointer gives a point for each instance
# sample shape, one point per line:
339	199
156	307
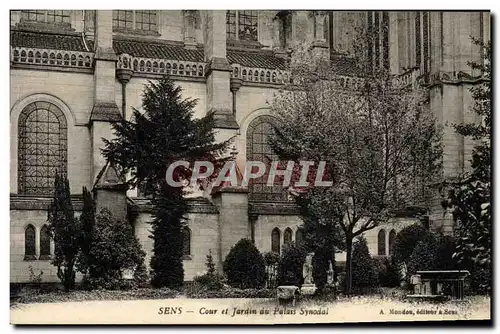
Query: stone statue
329	279
307	270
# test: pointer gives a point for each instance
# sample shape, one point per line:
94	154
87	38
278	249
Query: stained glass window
123	19
34	15
42	148
258	149
381	242
58	16
287	236
145	20
242	25
186	236
29	243
392	237
231	24
275	240
50	16
247	25
44	242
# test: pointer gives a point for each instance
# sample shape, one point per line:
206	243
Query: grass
31	295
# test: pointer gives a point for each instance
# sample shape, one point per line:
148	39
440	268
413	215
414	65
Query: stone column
234	224
218	73
235	85
394	27
124	75
320	47
189	29
105	111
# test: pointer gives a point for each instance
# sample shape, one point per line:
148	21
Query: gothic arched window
381	242
29	243
44	243
392	237
299	237
258	149
287	236
42	148
186	237
275	240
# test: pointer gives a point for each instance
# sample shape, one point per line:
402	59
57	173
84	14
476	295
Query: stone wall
73	94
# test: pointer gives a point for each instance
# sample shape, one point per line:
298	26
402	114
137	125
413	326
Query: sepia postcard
250	167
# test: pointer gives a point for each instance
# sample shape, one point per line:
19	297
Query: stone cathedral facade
74	72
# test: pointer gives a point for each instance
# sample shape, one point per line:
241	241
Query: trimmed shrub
424	257
114	248
364	273
244	266
406	240
291	265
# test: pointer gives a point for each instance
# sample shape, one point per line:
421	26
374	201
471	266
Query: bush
364	273
446	249
271	258
114	248
406	241
291	265
424	257
244	266
212	280
230	292
388	275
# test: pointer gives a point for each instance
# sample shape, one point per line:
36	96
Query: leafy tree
244	266
145	147
113	248
470	196
87	222
378	138
290	266
64	229
364	272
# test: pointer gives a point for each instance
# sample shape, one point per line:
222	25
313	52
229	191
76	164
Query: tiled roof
155	49
343	65
260	59
148	49
40	40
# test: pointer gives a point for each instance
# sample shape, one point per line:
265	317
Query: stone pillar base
308	289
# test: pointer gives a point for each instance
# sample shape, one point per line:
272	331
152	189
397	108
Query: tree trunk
348	266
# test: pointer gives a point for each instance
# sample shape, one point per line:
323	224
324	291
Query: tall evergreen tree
64	229
145	146
364	273
87	222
